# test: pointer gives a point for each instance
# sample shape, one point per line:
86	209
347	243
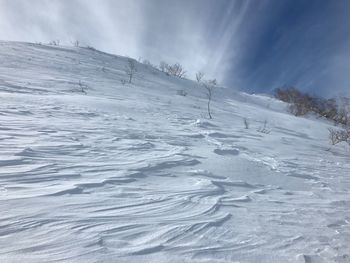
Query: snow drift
93	169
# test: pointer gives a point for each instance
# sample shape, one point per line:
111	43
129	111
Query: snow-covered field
137	173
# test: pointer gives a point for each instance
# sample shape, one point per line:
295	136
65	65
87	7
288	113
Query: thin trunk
209	99
210	117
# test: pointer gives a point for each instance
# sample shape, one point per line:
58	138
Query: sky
250	45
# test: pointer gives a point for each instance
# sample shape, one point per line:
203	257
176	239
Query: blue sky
251	45
301	43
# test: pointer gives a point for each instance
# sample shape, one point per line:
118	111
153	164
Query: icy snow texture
136	173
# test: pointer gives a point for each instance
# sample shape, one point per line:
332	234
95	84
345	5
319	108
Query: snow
138	173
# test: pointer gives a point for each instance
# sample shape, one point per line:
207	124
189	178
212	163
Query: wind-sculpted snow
136	173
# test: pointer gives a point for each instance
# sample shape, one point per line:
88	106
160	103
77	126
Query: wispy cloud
255	45
195	33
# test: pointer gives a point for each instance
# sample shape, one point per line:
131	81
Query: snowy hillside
137	173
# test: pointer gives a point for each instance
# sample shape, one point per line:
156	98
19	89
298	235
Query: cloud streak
254	45
194	33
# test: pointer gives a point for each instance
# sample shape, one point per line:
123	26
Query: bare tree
176	70
209	86
199	76
130	69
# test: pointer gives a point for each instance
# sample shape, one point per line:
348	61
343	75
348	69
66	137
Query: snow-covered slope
137	173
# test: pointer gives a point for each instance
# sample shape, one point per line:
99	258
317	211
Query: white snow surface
138	173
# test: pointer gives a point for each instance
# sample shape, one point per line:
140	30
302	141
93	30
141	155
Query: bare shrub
302	103
246	123
55	42
91	48
264	129
289	94
338	136
130	69
76	43
327	109
334	110
299	108
343	116
82	87
181	93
